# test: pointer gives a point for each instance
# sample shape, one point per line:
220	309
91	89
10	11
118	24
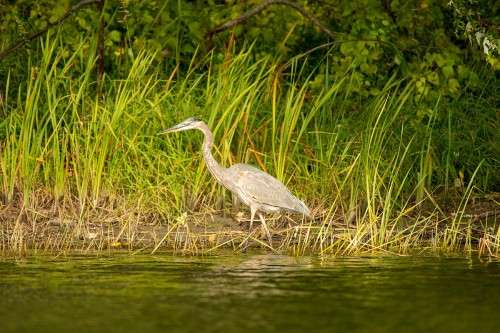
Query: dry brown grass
49	225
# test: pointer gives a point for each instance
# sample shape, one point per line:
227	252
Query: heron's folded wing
262	187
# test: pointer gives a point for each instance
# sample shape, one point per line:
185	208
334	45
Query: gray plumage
258	190
265	191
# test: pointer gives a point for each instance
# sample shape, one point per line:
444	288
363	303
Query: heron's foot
265	231
244	246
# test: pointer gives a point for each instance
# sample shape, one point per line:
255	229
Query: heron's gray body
258	190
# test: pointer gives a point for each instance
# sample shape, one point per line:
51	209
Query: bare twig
259	8
34	35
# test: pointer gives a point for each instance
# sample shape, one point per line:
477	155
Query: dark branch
259	8
100	46
26	39
386	4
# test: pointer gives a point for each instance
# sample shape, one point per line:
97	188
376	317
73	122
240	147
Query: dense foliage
446	50
431	41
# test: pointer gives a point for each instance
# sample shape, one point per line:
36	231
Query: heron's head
187	124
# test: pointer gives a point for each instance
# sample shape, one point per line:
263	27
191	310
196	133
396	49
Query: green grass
372	174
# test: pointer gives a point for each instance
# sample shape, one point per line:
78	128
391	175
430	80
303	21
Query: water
249	293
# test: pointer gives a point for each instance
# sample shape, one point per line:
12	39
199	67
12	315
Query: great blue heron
258	190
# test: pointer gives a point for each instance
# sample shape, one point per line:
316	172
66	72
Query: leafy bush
437	47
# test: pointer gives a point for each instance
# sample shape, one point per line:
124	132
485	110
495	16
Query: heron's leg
252	215
236	203
264	225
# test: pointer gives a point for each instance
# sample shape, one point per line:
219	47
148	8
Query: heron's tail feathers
303	209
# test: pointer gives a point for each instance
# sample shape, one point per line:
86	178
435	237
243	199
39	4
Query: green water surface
249	293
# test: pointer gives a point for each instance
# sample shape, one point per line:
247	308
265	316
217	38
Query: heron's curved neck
215	169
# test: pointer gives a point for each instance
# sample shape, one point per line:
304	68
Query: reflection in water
264	293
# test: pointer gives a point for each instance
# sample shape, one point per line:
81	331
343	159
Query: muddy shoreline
57	227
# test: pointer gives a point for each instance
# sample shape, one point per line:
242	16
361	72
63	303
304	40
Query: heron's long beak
176	128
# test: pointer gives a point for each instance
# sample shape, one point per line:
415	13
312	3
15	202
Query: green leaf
453	86
448	71
115	36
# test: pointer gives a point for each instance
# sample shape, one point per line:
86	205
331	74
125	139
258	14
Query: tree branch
11	48
259	8
100	46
